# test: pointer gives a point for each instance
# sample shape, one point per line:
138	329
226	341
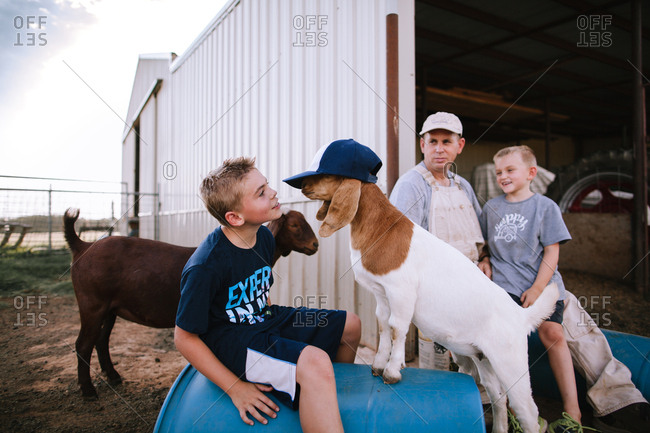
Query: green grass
28	273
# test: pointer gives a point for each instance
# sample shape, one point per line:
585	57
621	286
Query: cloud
58	101
32	33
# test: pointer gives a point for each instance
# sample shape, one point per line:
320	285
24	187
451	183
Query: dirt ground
39	391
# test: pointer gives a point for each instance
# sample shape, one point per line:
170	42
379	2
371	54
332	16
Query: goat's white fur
452	302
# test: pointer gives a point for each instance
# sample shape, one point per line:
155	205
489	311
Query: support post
547	134
392	98
640	217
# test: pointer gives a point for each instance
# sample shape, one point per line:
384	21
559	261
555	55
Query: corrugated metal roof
573	55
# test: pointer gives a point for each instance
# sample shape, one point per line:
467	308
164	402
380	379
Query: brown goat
139	280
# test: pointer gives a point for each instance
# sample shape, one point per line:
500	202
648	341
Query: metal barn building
274	80
279	79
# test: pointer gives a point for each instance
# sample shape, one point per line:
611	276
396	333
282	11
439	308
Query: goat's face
340	197
299	233
321	186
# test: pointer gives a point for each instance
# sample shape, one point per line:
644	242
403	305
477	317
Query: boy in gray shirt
524	231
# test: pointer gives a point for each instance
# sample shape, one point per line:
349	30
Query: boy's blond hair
222	191
527	154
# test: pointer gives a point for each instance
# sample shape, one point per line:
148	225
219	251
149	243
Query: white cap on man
442	120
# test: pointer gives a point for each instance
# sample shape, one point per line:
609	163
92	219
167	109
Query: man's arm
410	201
246	396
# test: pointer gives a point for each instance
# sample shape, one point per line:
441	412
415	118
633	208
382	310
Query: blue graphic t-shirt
517	234
222	284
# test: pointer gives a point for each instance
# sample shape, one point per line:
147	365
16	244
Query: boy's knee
551	334
314	364
352	330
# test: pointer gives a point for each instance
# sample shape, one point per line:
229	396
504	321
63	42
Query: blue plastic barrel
631	350
424	401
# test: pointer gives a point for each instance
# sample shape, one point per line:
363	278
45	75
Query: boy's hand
250	398
530	296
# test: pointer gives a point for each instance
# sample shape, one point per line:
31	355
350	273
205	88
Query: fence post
156	201
49	219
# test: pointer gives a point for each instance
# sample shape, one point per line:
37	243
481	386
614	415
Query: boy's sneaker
515	427
513	424
634	418
567	424
543	424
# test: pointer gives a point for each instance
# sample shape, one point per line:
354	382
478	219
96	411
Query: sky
66	74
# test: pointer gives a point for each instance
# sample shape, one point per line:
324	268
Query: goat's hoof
90	396
114	380
390	379
88	392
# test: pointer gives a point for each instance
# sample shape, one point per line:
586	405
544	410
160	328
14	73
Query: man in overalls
444	203
436	198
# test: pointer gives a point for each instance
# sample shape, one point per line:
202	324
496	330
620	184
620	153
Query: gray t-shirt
517	234
412	196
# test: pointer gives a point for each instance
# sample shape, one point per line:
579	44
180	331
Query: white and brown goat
417	277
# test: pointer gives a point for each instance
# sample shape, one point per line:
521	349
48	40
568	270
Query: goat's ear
322	212
342	208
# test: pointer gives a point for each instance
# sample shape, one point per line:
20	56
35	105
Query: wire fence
31	217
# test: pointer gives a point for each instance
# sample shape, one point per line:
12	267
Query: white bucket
432	355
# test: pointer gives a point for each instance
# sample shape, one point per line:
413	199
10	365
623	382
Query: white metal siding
151	112
247	86
150	68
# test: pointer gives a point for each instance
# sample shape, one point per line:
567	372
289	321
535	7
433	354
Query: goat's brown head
340	197
293	233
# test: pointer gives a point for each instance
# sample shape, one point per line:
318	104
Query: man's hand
485	267
250	398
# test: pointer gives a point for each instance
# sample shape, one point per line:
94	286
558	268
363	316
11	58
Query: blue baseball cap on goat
343	158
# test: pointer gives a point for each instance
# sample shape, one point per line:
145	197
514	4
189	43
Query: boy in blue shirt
226	328
524	231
